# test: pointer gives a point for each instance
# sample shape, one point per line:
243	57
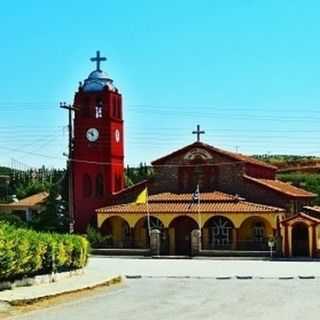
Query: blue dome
97	74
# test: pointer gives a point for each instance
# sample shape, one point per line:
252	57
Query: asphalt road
167	298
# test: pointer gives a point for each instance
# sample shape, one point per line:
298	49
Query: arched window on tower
99	186
118	183
85	108
118	107
99	108
87	186
114	107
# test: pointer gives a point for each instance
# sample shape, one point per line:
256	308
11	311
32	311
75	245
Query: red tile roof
31	201
313	210
214	202
282	187
302	215
205	196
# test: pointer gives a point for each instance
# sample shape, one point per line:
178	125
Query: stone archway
300	240
254	233
117	231
180	230
218	234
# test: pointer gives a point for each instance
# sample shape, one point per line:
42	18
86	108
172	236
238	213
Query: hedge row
25	252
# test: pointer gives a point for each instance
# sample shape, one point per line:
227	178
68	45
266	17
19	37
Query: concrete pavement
102	270
206	268
189	299
90	278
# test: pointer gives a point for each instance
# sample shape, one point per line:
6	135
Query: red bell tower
98	148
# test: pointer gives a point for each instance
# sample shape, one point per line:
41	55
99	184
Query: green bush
24	252
96	239
10	218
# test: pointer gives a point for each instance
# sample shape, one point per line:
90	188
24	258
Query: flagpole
148	214
199	213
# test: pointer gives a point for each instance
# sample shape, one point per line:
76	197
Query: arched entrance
117	232
218	233
254	233
141	234
300	240
182	227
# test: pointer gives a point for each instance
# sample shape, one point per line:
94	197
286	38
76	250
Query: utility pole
70	109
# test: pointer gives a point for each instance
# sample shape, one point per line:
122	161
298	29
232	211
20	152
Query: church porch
227	232
301	236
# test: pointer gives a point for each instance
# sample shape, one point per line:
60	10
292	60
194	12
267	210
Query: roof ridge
237	156
272	185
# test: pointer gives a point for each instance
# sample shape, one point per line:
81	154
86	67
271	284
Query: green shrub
12	219
24	252
96	239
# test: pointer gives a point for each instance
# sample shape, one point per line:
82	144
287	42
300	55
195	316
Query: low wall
121	252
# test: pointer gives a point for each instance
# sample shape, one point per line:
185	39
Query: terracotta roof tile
315	209
283	187
31	201
303	216
205	196
169	206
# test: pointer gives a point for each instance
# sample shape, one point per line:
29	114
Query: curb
40	279
236	277
28	301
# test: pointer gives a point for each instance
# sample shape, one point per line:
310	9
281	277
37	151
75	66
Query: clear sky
247	71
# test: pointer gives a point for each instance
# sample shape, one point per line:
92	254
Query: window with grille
259	232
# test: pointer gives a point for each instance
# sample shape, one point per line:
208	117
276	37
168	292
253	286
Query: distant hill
5	171
289	161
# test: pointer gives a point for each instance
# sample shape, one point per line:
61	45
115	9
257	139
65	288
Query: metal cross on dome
198	132
98	59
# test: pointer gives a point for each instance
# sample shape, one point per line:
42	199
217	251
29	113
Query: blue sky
247	71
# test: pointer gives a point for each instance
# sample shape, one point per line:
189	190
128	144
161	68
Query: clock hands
92	134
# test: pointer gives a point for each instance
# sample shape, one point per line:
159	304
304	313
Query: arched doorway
254	233
182	227
141	234
218	232
117	232
300	240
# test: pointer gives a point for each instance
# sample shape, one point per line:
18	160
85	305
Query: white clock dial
92	134
117	135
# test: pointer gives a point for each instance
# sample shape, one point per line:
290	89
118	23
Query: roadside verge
29	295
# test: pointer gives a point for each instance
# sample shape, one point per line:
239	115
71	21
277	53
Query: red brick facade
216	169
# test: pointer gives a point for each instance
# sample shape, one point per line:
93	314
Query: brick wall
226	175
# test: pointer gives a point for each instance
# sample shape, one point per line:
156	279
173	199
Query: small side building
27	207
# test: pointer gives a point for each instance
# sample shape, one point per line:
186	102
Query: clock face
92	134
117	135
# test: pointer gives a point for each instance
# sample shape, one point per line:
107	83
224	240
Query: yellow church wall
236	218
246	228
140	234
118	228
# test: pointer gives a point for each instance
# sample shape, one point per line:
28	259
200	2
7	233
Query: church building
241	206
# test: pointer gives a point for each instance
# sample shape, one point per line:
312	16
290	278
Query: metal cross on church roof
98	59
198	132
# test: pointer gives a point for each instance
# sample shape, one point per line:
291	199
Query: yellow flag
142	197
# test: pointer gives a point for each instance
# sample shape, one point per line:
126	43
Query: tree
55	216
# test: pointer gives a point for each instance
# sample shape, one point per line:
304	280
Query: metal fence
241	245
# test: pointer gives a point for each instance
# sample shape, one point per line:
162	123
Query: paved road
161	298
203	268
